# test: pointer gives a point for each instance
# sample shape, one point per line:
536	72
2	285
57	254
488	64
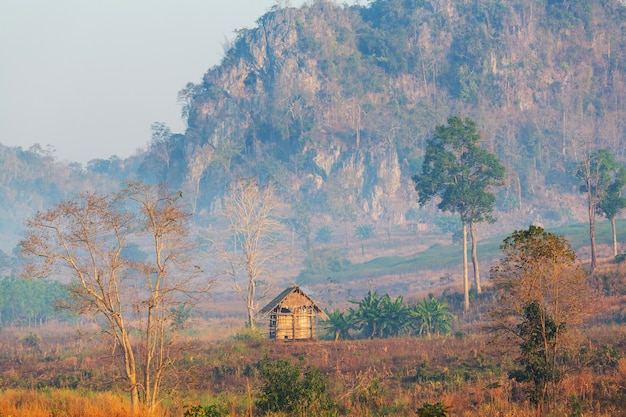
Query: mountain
334	104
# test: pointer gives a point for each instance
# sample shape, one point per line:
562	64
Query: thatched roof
293	289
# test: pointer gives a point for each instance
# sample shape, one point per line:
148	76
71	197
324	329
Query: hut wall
294	318
304	324
284	326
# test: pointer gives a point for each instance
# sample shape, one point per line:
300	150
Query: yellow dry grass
65	403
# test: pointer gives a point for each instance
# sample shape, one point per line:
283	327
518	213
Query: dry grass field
59	376
384	377
50	371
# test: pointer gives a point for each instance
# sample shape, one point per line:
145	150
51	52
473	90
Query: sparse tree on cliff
461	173
613	202
599	173
364	232
131	299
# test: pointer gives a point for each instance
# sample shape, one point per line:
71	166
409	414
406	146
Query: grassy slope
439	257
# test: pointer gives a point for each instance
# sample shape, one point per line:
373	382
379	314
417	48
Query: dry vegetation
391	377
50	371
62	402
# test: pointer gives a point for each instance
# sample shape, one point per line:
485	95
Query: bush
250	334
433	410
324	261
208	411
285	388
32	341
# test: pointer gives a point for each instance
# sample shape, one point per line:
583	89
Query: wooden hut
292	315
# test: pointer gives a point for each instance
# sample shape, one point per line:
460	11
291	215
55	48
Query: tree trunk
465	268
614	236
475	258
250	304
131	369
592	230
147	360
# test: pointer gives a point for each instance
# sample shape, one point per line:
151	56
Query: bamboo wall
293	319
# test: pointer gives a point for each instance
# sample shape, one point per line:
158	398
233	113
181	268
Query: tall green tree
461	173
613	202
598	173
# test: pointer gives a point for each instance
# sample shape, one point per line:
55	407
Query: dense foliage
378	316
332	92
30	302
289	389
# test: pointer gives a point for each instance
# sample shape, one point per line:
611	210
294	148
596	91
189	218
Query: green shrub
433	410
205	411
32	341
293	389
250	334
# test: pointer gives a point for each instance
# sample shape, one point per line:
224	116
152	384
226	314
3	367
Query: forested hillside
32	180
334	104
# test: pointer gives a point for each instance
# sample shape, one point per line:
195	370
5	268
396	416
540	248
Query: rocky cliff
334	103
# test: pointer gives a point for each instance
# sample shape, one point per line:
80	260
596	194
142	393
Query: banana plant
394	316
367	315
431	316
339	325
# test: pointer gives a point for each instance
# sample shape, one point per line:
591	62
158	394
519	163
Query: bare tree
254	215
90	239
198	164
161	142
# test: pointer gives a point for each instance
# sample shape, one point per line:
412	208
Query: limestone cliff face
271	100
335	103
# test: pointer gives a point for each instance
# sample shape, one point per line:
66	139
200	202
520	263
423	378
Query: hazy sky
89	77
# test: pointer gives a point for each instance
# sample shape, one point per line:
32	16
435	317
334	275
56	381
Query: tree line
31	302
